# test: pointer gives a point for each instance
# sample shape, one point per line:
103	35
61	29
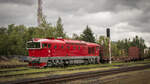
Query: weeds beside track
12	66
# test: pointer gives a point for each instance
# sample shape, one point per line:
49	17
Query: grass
28	71
12	62
18	68
85	70
23	77
134	77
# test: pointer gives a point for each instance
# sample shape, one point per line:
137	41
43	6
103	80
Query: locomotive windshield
33	45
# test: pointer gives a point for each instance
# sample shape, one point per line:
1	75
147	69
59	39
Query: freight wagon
133	55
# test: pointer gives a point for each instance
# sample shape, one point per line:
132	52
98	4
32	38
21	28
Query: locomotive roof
49	41
92	44
63	41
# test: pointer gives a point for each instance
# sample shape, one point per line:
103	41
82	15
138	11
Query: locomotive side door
49	50
45	49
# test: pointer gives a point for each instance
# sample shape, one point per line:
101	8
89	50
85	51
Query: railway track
12	66
76	76
15	70
13	75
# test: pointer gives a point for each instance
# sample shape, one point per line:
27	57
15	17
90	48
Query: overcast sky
125	18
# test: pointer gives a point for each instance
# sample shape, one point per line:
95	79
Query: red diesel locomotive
54	52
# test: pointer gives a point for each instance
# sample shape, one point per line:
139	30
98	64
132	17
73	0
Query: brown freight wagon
134	54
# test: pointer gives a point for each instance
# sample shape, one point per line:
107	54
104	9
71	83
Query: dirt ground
135	77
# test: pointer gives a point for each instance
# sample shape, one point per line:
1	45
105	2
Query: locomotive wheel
66	62
49	63
89	61
61	63
57	62
92	61
96	61
86	62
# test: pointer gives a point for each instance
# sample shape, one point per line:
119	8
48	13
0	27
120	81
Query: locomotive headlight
33	59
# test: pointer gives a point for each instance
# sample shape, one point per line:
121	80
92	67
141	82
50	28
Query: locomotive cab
37	53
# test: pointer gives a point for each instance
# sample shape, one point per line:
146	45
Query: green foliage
87	35
13	38
104	42
60	29
76	37
120	48
3	37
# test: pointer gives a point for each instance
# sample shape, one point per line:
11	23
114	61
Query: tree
45	29
3	41
75	37
87	35
103	41
59	29
140	43
16	40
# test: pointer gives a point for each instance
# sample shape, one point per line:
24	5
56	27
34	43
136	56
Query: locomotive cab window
44	45
33	45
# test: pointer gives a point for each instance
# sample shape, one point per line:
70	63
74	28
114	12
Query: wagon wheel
61	63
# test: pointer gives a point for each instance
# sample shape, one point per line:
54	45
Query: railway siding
75	76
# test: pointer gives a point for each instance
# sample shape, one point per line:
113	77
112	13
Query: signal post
109	44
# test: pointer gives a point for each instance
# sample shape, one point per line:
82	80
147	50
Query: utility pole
109	44
39	12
